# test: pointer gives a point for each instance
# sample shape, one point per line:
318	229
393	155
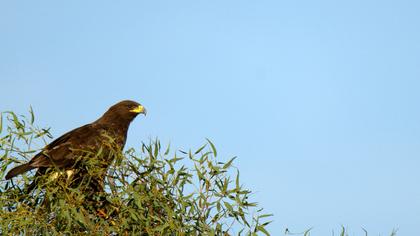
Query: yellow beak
139	109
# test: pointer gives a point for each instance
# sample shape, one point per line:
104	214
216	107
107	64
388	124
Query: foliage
342	232
149	191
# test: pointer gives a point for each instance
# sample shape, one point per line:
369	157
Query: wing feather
59	153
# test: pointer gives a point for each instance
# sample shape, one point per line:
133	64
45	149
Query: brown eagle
98	140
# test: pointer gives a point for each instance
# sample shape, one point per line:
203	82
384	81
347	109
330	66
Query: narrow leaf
265	215
262	229
167	149
31	111
228	206
227	165
213	148
200	149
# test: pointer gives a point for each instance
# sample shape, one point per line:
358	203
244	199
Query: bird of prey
100	138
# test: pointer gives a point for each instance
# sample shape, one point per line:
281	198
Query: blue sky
318	99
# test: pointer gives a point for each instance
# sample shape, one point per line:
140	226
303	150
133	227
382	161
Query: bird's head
124	111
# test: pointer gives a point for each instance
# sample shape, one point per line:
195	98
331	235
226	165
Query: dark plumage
107	134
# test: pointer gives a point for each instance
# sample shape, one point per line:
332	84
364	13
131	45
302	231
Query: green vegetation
149	191
343	232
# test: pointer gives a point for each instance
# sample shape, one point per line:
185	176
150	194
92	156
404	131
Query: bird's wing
60	152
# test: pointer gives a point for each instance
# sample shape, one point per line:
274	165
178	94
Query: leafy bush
149	191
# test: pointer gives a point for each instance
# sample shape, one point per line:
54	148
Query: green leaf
167	149
227	165
307	232
343	231
175	159
199	173
262	229
200	149
16	121
228	206
155	154
213	148
225	186
238	187
265	215
31	111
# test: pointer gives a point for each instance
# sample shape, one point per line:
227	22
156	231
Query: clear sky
318	99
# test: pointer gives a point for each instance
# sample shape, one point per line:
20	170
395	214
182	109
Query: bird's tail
18	170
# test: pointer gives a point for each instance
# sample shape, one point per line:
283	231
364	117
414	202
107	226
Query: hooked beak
139	109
